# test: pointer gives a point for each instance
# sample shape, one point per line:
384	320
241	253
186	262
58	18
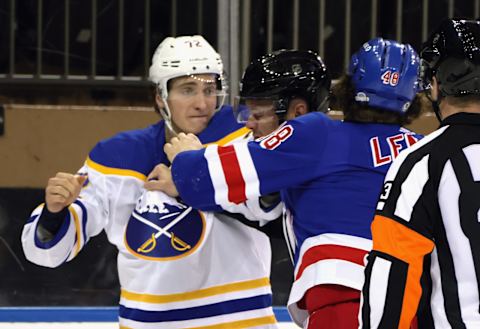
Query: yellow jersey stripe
77	229
128	172
202	293
241	324
249	323
227	139
115	171
39	206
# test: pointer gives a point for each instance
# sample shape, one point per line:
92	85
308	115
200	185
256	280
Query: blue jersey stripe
32	218
228	307
82	314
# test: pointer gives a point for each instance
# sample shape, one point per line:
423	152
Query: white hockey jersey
178	267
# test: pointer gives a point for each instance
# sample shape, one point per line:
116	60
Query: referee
426	233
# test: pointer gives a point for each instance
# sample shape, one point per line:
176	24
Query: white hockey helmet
185	56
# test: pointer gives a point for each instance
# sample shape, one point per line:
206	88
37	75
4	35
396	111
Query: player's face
192	101
262	120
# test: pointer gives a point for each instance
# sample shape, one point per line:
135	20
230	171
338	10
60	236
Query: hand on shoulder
182	142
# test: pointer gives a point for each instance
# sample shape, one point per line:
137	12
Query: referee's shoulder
415	153
424	145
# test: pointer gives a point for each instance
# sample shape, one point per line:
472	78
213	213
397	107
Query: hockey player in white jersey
178	267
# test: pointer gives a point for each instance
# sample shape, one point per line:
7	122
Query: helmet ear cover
458	77
452	55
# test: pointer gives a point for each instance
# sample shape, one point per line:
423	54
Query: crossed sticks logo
162	228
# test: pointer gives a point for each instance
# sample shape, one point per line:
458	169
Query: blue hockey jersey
329	173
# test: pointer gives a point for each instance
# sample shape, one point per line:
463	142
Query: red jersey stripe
233	174
330	251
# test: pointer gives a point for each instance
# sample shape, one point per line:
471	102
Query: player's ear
300	108
296	108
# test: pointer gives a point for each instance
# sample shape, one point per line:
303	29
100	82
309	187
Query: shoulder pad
136	150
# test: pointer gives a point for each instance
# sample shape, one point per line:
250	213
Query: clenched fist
183	142
62	190
160	179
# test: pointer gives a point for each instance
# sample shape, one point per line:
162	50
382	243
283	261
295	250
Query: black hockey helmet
282	76
452	55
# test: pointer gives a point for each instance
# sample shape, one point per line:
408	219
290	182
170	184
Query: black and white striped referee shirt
427	229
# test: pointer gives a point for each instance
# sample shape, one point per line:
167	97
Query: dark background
187	23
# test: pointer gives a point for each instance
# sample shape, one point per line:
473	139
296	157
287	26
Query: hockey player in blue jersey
329	173
178	267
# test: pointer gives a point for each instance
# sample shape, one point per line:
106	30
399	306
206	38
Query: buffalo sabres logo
161	228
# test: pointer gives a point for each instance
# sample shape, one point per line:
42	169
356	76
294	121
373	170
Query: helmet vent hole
384	57
404	60
208	67
194	68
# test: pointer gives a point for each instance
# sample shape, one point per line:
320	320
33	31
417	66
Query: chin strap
436	109
436	104
165	112
172	131
324	106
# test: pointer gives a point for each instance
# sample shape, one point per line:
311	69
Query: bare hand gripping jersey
330	174
178	267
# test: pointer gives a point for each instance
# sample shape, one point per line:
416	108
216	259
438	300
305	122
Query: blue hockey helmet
385	74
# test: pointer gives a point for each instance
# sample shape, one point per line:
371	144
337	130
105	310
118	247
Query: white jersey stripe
335	239
412	189
380	273
395	166
472	153
327	271
459	245
218	176
437	302
249	173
